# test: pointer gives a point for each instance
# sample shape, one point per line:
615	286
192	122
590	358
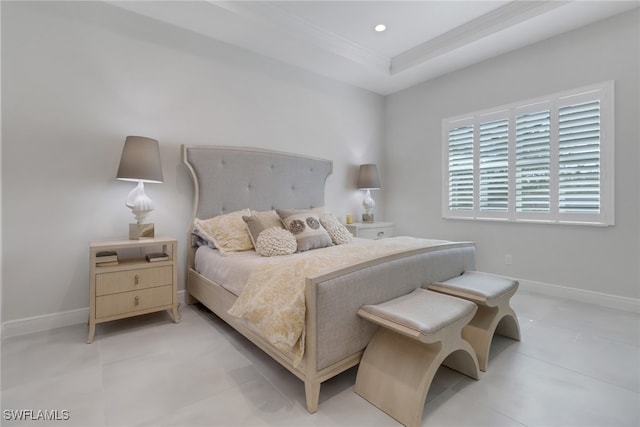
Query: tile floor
577	365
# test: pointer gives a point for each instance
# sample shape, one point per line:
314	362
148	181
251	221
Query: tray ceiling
423	40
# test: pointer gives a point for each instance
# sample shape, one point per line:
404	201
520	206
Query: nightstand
371	230
132	286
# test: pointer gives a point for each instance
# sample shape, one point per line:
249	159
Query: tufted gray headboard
228	179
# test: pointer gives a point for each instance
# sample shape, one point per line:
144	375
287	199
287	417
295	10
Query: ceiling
423	40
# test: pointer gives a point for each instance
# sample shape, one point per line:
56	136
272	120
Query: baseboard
46	322
591	297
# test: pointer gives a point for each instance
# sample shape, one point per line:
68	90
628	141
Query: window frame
603	92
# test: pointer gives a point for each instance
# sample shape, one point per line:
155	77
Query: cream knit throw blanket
273	300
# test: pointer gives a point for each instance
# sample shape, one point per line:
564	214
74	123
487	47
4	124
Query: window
548	159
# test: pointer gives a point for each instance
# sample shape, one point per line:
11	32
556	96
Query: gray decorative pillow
305	226
338	232
198	239
276	241
268	218
260	221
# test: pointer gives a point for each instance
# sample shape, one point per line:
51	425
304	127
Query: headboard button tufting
230	179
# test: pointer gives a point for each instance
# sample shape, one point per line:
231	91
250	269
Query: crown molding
281	19
272	30
278	18
492	22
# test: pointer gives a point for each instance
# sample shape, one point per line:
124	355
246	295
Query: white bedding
232	271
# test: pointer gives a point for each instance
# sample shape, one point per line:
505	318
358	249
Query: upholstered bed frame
228	179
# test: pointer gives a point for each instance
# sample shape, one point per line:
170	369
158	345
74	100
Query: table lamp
140	162
368	180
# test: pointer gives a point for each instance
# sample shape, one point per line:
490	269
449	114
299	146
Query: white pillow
338	232
276	241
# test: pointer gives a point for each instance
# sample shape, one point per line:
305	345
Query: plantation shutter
461	168
549	159
579	158
494	165
532	165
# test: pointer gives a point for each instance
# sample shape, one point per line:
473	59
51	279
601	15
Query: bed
229	179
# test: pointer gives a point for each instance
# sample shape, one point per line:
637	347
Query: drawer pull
136	300
136	280
380	233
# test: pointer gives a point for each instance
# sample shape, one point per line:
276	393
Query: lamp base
141	231
367	217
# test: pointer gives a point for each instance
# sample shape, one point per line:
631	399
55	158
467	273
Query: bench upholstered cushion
475	283
422	311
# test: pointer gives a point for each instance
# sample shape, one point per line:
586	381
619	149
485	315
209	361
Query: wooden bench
492	294
418	332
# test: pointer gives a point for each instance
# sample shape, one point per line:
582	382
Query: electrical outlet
507	259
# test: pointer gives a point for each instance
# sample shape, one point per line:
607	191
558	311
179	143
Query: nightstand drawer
140	278
375	232
127	302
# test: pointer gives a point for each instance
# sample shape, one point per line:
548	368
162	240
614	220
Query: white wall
1	287
78	77
594	259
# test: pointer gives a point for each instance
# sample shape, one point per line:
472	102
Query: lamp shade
368	177
140	160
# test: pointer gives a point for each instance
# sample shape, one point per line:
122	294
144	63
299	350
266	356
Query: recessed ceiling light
380	28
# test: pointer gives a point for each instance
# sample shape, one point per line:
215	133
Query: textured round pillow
338	232
276	241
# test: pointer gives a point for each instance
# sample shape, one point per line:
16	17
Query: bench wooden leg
463	361
395	372
509	326
488	321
